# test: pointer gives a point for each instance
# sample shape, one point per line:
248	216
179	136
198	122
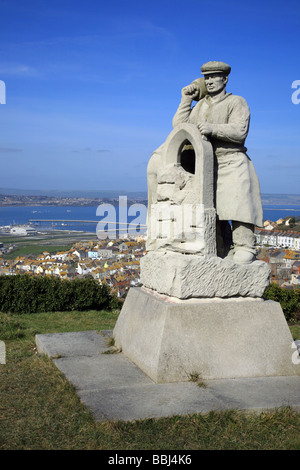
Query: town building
23	231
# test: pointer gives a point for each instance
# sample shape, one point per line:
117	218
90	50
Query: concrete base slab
217	339
86	343
113	388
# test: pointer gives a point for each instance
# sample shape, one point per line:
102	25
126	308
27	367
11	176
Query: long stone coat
237	186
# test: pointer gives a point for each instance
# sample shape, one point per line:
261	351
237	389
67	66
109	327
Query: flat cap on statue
215	66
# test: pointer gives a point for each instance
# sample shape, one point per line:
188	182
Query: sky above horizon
91	87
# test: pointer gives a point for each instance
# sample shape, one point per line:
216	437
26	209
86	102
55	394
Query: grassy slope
39	409
295	330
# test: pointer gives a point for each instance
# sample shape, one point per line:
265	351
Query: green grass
47	238
36	250
295	330
39	409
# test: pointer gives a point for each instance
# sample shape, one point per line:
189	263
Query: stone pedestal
170	339
184	276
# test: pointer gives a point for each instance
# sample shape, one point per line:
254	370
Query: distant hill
75	193
267	198
280	198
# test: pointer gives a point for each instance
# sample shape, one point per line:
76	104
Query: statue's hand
205	128
192	91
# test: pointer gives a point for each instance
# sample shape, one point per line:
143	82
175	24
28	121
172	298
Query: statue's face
215	82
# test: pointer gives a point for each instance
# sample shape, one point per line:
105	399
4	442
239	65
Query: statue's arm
236	129
188	94
183	112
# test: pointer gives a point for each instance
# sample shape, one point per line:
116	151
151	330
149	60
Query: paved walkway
113	388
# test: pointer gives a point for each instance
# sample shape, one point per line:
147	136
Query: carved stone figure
200	307
223	119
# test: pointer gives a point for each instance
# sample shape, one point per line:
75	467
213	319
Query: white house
60	256
297	242
295	279
23	231
82	269
286	240
93	254
269	227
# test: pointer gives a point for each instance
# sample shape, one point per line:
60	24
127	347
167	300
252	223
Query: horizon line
115	191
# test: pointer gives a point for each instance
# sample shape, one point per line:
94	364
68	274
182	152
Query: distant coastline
15	197
11	200
85	218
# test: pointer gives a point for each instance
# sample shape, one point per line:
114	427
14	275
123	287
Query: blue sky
91	87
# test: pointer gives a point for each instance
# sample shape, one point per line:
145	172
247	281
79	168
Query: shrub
31	294
288	299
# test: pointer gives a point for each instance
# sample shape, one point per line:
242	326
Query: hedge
32	294
288	299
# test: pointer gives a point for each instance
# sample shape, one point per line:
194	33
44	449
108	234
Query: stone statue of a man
223	118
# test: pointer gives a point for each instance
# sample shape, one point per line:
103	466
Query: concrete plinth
170	339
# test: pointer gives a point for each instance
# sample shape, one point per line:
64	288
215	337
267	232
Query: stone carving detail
181	212
186	276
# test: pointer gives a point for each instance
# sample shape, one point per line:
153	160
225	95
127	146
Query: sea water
63	217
